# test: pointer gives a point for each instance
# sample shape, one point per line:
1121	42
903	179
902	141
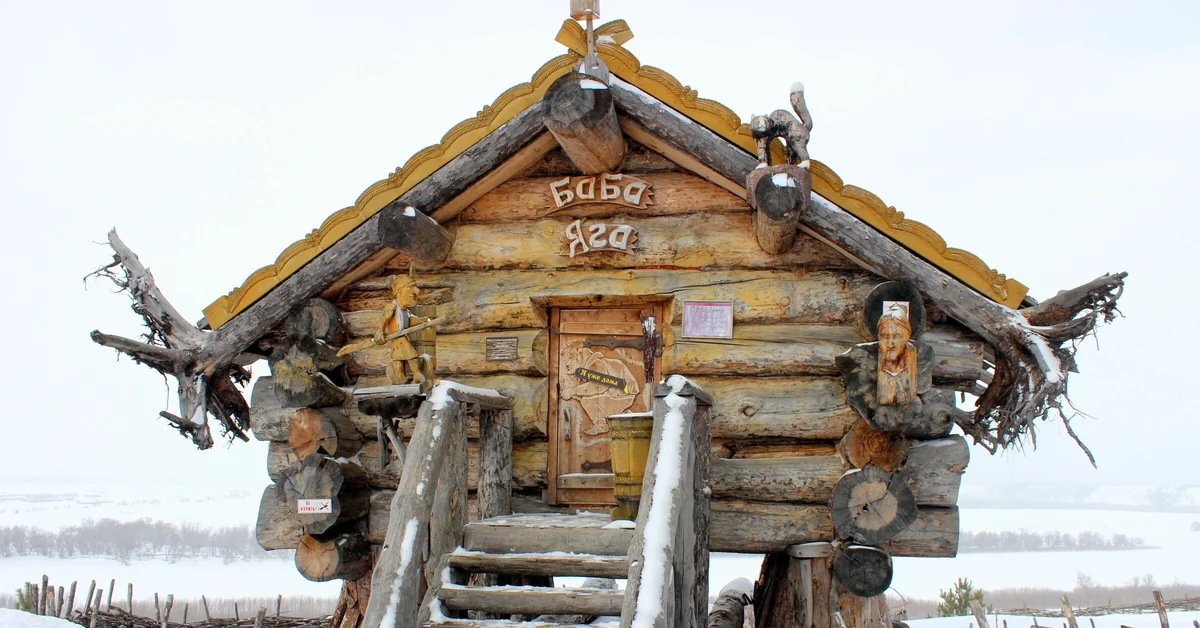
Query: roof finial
591	64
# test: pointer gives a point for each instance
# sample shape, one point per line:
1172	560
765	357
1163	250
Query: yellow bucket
630	448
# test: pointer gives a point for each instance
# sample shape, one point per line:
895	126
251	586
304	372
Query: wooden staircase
438	570
583	545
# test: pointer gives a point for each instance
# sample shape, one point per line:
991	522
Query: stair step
607	622
542	564
510	600
581	533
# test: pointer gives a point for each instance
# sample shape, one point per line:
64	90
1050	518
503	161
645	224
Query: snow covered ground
1176	618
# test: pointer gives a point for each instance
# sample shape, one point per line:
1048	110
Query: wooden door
598	369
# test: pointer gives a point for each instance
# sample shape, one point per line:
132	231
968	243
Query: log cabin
603	329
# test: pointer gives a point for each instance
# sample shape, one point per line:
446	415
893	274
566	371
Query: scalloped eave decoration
718	118
425	162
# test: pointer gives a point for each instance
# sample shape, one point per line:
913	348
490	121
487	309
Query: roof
867	207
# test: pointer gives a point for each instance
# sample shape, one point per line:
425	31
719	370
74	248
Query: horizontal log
812	479
808	350
675	193
344	556
510	600
813	408
734	449
639	160
742	526
713	241
271	422
340	481
529	464
464	355
553	564
501	299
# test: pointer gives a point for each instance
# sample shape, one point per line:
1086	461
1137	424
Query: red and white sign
314	506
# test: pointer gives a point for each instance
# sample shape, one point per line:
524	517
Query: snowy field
1173	555
1178	618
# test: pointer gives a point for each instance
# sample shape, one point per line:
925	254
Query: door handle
568	414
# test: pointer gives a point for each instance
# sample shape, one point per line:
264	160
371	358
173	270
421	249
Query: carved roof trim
718	118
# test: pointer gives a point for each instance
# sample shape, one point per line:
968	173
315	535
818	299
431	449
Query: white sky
1055	140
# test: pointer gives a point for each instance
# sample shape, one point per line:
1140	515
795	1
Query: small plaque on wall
500	349
708	319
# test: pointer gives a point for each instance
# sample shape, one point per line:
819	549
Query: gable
667	92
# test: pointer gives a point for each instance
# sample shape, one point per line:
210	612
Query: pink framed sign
708	319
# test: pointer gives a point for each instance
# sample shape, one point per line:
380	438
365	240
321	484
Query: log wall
779	404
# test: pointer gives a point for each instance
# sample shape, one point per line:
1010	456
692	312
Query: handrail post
396	581
668	572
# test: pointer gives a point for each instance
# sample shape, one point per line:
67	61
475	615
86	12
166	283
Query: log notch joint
581	116
780	196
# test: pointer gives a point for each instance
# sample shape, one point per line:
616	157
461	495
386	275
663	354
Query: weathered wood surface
702	241
449	513
812	408
511	600
278	525
864	571
406	230
500	300
804	350
933	475
356	247
581	117
639	160
742	526
323	430
872	506
666	574
270	420
862	446
400	566
933	469
495	484
342	556
463	354
674	193
779	194
770	350
322	477
729	609
554	564
783	595
583	532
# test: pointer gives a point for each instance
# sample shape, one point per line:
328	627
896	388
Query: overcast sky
1056	140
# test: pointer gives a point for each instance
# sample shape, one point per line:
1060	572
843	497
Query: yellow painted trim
864	205
464	135
716	117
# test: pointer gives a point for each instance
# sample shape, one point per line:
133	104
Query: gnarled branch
172	348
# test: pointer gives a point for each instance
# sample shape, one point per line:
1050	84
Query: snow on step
581	533
606	622
542	564
511	600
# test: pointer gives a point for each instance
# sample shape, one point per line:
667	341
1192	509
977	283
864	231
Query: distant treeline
126	540
1022	541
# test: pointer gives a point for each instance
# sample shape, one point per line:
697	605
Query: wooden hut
456	357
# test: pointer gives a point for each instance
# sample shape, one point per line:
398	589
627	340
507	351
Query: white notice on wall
314	506
708	319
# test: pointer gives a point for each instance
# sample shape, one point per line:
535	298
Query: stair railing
429	510
668	558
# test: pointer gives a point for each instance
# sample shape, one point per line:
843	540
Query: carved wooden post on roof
780	193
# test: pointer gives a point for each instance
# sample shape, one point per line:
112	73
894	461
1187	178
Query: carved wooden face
405	291
894	335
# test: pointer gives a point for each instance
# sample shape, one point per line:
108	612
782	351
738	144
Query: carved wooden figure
890	382
406	365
